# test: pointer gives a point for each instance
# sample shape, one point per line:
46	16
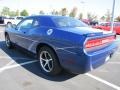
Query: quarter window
35	23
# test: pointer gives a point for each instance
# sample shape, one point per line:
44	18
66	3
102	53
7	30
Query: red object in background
106	26
86	21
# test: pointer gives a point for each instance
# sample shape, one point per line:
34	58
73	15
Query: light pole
82	6
112	18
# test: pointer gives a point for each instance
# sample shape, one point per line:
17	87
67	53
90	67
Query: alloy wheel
46	61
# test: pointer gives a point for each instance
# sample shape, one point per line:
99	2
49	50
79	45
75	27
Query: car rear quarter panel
67	45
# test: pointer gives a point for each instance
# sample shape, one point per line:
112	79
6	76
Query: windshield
11	18
19	18
68	22
1	18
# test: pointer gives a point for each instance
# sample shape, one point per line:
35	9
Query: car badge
50	31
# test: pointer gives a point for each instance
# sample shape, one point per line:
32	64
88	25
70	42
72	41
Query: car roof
47	16
45	20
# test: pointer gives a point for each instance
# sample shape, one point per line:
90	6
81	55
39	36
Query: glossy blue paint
68	42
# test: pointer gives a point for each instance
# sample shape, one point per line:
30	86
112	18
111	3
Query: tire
8	42
49	61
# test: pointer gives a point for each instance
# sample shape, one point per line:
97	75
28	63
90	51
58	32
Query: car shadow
17	54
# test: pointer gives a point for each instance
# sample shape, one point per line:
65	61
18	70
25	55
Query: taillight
100	41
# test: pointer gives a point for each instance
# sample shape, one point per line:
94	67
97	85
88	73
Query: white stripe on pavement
103	81
10	63
5	57
16	65
113	62
1	31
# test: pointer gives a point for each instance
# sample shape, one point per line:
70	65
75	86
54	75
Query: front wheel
8	42
48	61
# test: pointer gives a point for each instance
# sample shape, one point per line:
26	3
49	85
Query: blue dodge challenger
62	43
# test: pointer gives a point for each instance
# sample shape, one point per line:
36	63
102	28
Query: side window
102	24
107	24
26	24
36	23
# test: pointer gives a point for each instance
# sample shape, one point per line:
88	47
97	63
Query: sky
97	7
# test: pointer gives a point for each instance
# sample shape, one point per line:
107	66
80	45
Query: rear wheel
49	61
8	42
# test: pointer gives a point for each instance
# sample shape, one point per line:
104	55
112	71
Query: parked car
86	21
107	26
62	43
1	20
13	20
94	23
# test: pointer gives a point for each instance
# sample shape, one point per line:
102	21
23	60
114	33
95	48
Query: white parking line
113	62
11	62
16	65
103	81
102	70
1	31
5	57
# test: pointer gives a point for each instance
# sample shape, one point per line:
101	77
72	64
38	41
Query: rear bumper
81	63
98	58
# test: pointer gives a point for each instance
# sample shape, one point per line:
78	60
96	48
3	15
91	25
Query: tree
89	16
12	13
41	12
118	18
24	13
54	12
73	12
64	12
17	12
103	18
5	11
108	15
80	16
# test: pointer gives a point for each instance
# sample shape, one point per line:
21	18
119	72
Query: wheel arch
9	22
6	33
40	45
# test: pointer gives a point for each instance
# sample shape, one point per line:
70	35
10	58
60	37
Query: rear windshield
109	24
117	24
11	18
105	24
68	22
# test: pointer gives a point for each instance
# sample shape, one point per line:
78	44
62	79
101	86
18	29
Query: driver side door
22	28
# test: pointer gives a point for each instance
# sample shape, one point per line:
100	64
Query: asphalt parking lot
19	71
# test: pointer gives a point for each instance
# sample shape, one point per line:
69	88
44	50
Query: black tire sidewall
10	45
56	65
